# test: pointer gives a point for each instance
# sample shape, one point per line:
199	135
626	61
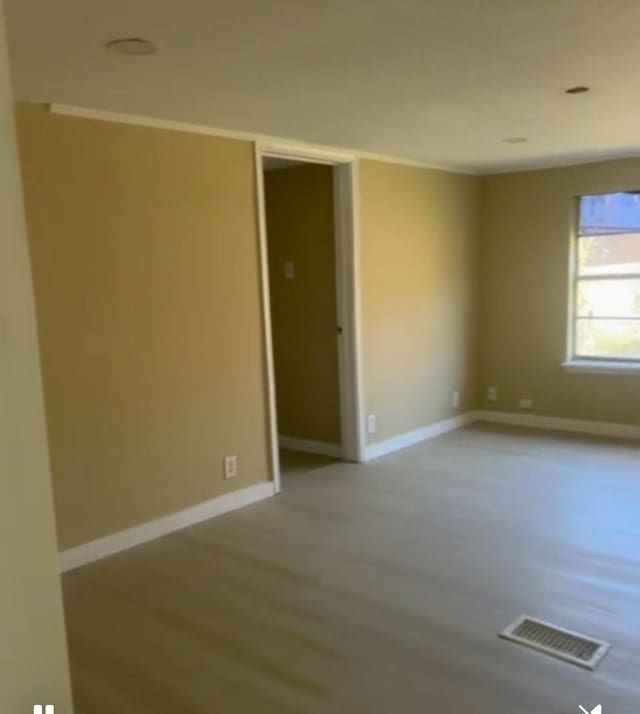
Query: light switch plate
230	466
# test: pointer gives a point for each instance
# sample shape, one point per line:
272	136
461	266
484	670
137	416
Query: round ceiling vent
132	46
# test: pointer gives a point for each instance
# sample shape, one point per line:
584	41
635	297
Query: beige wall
144	250
419	263
300	228
145	260
33	657
525	288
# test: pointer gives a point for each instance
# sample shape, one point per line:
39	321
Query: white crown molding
560	163
323	448
123	540
294	145
297	145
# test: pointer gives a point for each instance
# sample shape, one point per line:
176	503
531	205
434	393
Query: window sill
584	366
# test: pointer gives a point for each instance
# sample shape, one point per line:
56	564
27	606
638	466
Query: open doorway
299	212
308	227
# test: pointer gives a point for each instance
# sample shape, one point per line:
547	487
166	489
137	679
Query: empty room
319	357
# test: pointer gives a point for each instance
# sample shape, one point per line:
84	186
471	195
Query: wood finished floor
379	588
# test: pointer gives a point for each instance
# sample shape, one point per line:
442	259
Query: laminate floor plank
379	587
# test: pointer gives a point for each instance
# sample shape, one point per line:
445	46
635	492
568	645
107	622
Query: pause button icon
46	709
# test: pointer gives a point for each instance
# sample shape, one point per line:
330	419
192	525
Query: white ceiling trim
123	118
322	149
559	163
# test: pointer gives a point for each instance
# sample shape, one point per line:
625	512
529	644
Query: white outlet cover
455	400
230	466
289	270
371	423
492	394
526	404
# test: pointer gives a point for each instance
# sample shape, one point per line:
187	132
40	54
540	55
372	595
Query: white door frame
347	241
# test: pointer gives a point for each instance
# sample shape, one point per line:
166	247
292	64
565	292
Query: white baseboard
123	540
409	438
532	421
324	448
578	426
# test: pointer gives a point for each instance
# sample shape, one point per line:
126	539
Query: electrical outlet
526	404
230	464
492	394
371	423
289	270
455	400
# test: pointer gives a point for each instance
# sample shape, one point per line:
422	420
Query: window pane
608	298
609	254
608	338
610	213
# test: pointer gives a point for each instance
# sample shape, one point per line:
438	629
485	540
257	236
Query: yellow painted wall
300	228
419	293
145	259
33	656
525	289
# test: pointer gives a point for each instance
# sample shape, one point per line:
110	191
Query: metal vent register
556	641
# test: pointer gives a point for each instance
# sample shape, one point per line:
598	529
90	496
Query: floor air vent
556	641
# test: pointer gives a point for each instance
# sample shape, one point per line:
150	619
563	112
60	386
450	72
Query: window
606	305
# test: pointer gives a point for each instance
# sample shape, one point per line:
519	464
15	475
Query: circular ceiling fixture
580	89
132	46
515	140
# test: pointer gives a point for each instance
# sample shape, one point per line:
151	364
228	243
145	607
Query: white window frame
584	363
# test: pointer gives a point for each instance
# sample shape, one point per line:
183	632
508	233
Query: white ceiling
435	81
